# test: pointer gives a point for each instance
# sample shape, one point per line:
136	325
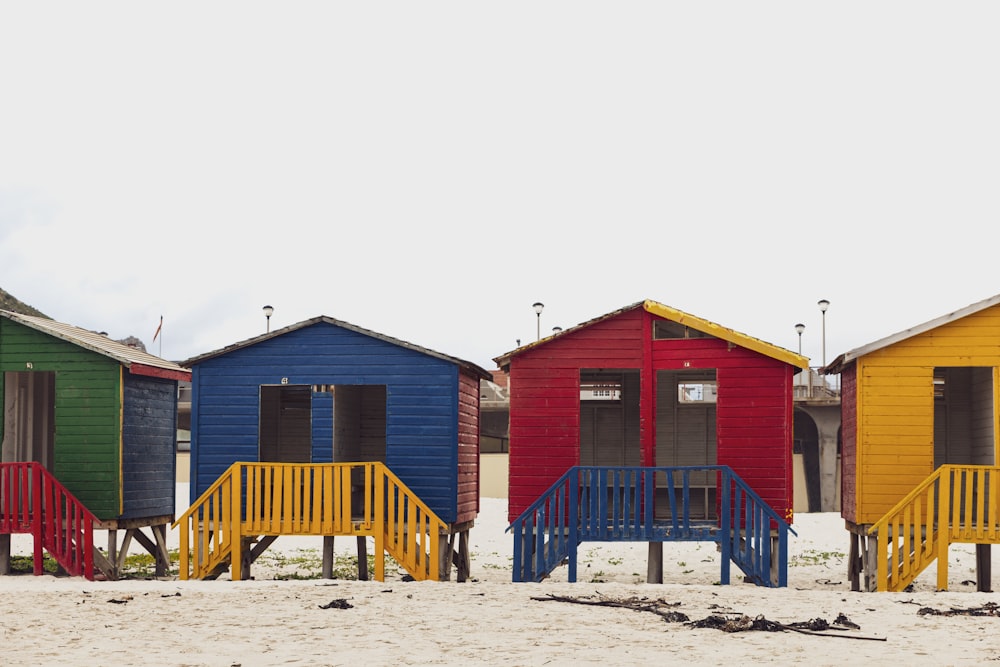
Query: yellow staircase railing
955	504
251	501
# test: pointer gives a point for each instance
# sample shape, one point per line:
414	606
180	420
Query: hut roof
841	362
479	372
697	323
137	361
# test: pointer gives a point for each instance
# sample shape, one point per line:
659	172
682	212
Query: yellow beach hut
919	447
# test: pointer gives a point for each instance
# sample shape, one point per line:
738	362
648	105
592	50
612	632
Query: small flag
158	329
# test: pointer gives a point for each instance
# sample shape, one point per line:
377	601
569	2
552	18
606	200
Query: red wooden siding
545	401
753	412
468	448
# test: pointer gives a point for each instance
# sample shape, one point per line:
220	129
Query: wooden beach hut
346	416
651	387
919	447
89	443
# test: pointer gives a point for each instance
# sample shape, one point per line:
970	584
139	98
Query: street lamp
799	328
268	310
538	306
556	330
823	305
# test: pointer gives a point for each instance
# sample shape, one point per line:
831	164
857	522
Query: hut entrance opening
686	434
806	458
609	418
29	411
963	416
285	424
359	429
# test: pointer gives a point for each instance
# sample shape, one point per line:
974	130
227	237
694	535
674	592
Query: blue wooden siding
421	404
322	427
149	444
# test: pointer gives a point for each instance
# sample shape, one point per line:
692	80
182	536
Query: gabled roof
838	364
467	365
134	359
692	321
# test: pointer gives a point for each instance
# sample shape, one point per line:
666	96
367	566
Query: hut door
285	429
609	418
29	400
963	416
685	431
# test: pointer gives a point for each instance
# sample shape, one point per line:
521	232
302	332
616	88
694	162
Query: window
601	391
697	393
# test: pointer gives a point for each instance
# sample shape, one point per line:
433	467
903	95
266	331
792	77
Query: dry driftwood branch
732	622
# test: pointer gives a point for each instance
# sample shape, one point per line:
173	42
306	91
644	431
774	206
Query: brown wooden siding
848	446
468	448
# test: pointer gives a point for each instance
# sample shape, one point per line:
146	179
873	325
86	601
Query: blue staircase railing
651	504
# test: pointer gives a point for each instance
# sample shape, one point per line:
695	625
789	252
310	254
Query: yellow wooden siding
896	435
895	408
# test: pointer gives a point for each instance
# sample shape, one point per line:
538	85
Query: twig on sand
727	623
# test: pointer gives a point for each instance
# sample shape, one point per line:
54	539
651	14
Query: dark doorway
609	418
806	443
29	409
285	424
963	416
686	431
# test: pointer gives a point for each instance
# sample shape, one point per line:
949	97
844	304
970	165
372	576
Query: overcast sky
429	170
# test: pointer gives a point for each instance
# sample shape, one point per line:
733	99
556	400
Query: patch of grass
814	557
143	565
26	564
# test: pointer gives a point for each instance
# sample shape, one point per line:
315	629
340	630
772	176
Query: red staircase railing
33	501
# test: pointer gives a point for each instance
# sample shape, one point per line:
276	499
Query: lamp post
268	310
799	328
538	306
823	305
556	330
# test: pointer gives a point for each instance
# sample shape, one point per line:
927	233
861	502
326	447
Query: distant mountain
9	302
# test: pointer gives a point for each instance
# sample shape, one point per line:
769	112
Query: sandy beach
286	616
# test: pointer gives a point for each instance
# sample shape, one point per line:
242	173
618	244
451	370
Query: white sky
428	170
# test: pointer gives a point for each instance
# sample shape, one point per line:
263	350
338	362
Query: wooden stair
234	521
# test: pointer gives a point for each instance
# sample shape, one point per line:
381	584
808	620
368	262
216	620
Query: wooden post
871	563
854	562
464	560
4	554
113	551
328	556
983	569
363	560
237	549
654	563
446	555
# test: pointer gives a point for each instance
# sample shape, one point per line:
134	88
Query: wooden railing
33	501
610	504
955	504
251	500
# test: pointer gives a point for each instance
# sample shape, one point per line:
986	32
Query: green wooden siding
87	412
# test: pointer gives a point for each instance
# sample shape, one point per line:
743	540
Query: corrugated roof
101	344
468	365
838	364
679	316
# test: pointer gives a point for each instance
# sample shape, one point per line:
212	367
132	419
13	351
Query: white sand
490	620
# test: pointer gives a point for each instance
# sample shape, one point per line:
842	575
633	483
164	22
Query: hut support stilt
983	569
654	563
